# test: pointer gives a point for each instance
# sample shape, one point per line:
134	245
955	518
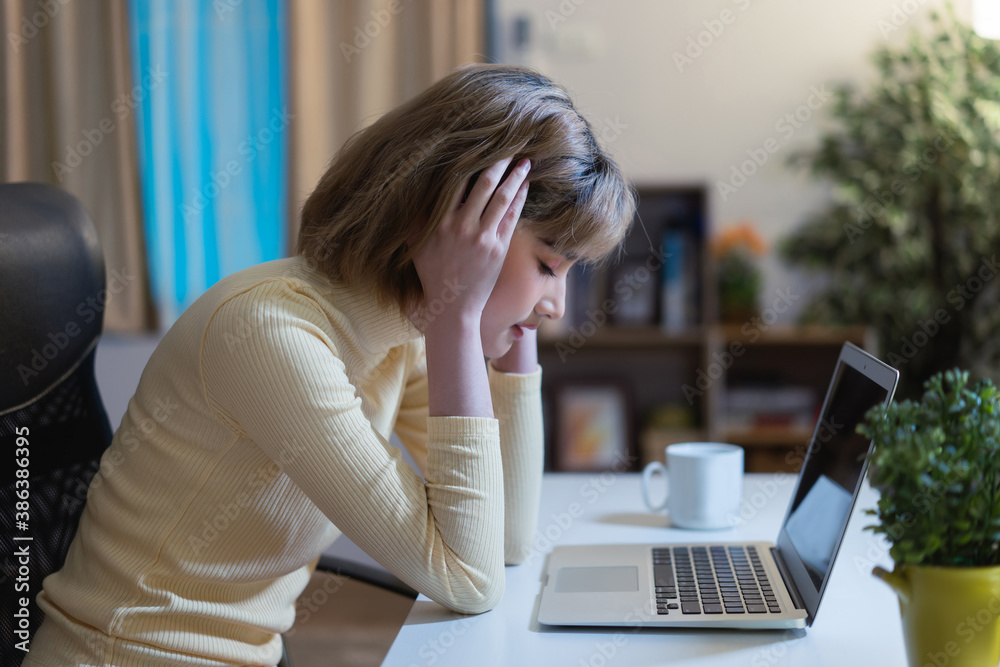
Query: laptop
754	585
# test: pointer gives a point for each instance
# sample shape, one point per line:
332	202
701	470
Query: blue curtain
210	99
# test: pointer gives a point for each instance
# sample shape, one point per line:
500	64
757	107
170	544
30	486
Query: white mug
704	484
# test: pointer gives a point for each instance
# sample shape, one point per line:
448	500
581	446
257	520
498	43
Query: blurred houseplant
910	241
735	251
936	464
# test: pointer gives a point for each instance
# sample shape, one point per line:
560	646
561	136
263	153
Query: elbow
479	599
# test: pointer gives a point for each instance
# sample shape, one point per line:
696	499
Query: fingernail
524	166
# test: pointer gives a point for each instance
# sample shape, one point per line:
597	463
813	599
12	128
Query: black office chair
51	317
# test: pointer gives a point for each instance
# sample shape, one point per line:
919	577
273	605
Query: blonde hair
395	179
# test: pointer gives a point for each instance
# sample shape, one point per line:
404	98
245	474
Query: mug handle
651	469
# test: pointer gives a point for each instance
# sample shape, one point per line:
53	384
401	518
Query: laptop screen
832	472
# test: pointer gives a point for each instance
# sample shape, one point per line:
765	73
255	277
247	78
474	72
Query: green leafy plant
736	251
936	463
909	243
738	278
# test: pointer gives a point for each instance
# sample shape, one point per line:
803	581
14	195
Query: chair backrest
52	420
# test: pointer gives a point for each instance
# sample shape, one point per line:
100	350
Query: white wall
666	123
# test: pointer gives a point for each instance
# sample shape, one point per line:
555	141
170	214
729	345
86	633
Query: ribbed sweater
259	433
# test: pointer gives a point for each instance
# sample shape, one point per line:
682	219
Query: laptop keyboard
719	579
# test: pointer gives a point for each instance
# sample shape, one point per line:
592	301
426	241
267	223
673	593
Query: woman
259	430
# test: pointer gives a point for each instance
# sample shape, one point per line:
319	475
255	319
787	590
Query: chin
496	348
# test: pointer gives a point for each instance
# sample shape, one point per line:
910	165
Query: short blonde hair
395	179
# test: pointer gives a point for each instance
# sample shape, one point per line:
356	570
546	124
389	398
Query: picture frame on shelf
593	426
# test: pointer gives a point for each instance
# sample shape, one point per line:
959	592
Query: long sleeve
274	374
517	404
411	420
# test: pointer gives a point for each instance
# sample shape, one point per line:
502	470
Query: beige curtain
67	117
353	60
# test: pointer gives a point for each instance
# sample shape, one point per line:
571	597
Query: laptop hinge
786	576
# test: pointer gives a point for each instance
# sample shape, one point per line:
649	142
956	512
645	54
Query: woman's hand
459	264
458	267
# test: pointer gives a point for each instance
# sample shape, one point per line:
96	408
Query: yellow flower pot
951	615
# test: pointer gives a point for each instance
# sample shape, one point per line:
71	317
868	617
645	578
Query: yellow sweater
258	434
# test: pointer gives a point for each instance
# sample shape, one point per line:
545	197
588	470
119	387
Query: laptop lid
833	468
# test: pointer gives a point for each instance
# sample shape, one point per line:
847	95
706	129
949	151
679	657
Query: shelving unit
659	366
679	379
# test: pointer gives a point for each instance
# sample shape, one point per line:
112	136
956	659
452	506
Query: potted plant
936	463
909	241
736	251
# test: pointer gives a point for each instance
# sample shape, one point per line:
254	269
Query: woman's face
531	286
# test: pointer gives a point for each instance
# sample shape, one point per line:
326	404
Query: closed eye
545	269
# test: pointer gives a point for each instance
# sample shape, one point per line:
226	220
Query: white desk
857	623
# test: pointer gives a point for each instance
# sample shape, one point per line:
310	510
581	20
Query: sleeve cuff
445	428
515	382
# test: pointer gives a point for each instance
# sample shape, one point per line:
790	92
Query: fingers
485	186
503	199
509	221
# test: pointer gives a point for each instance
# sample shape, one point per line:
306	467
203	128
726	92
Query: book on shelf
767	406
679	290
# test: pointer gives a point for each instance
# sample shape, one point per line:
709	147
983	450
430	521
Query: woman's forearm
518	407
457	381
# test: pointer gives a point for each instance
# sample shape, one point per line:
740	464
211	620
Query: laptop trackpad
597	579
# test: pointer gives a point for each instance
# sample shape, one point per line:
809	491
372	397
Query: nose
553	302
